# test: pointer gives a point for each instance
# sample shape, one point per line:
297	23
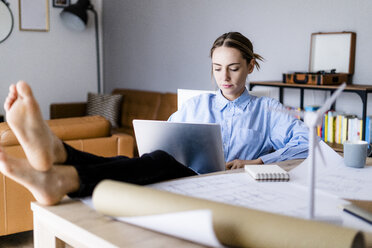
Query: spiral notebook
265	172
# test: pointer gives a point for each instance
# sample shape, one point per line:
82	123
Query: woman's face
230	71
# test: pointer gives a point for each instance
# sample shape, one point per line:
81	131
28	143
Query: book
326	127
360	129
267	172
344	129
368	136
319	131
353	133
323	128
331	127
338	134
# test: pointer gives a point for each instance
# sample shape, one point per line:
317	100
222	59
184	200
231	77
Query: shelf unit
361	90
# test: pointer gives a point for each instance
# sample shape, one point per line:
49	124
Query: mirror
6	20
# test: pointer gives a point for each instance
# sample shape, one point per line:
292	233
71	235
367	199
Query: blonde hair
240	42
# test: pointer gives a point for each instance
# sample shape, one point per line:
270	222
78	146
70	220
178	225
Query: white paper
286	198
195	226
241	190
333	176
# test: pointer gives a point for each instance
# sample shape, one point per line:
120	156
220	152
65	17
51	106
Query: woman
254	130
251	130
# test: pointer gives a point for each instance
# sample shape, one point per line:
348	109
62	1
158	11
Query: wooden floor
18	240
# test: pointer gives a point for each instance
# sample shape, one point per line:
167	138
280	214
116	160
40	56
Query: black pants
149	168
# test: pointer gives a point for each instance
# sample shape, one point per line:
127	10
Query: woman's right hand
237	163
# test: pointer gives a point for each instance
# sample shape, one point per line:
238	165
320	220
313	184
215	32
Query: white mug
356	152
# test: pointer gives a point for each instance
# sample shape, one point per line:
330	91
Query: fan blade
293	113
330	100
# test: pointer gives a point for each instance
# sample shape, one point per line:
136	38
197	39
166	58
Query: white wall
163	45
60	64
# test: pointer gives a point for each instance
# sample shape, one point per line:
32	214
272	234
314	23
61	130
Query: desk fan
312	120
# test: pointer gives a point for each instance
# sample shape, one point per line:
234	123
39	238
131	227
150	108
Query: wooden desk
74	223
77	225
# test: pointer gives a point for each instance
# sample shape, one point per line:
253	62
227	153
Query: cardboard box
332	58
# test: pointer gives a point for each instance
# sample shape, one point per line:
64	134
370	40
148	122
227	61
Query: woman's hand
237	163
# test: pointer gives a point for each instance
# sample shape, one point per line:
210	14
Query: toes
8	102
23	89
12	88
6	105
10	99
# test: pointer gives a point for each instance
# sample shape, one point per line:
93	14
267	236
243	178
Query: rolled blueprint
233	225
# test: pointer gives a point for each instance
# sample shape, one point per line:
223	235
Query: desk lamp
75	17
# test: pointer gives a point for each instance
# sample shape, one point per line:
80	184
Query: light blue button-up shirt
251	126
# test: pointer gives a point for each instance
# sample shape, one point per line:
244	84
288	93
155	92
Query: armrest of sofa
66	110
86	127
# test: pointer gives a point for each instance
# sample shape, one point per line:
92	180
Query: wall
163	45
60	64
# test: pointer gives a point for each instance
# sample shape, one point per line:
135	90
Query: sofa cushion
138	104
106	105
168	106
65	129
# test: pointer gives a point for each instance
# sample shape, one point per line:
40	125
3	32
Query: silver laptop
197	146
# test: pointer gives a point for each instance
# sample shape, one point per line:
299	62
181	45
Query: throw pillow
105	105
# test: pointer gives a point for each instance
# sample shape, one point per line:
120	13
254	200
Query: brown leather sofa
136	104
91	134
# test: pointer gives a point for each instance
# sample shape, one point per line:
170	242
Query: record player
332	57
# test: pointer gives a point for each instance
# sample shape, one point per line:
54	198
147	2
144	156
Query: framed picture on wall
61	3
33	15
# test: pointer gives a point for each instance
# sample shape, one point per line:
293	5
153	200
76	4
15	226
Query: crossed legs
53	169
46	182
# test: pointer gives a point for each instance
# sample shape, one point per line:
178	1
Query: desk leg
44	237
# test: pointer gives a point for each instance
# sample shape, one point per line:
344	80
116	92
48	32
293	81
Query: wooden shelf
349	87
336	147
361	90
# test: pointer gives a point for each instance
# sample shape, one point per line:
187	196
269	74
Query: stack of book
338	127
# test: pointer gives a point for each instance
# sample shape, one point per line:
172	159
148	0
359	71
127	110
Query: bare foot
41	146
47	187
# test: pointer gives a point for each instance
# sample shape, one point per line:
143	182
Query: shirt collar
241	102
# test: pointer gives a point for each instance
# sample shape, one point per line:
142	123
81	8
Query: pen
358	212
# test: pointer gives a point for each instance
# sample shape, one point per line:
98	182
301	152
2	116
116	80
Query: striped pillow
105	105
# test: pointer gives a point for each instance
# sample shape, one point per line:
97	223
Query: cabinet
361	90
